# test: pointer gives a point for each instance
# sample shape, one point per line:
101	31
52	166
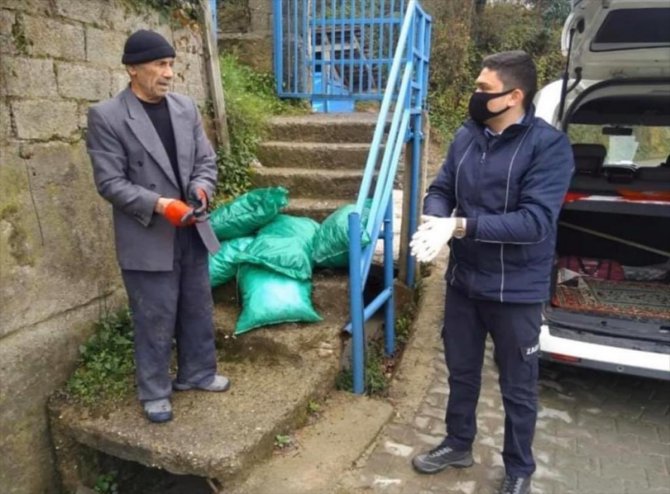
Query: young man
497	198
150	157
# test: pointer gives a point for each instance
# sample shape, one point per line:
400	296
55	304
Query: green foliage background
250	100
464	35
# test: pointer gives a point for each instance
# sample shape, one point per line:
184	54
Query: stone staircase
275	371
319	158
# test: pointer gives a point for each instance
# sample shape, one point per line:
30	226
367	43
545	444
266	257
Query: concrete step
275	371
305	183
347	426
311	155
324	127
317	209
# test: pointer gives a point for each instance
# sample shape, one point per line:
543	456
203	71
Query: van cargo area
606	287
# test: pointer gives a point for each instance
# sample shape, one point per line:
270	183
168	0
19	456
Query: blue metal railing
406	88
338	50
335	50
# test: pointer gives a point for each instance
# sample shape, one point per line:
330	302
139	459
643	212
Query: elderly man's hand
431	236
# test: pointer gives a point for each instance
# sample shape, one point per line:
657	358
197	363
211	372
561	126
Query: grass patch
250	101
379	368
106	364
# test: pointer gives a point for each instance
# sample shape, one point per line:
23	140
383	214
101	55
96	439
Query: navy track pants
515	330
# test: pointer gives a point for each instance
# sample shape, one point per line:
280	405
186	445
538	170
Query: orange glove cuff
175	212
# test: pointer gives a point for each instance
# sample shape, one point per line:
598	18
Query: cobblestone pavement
597	433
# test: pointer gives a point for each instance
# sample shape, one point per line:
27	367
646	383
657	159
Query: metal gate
332	51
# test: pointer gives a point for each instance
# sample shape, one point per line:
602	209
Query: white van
610	305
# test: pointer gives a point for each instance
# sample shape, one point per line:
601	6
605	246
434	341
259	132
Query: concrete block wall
58	270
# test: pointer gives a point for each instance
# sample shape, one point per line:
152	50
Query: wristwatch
459	231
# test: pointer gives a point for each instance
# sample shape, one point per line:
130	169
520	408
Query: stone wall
58	271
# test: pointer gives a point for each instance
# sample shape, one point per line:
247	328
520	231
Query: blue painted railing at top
335	49
406	89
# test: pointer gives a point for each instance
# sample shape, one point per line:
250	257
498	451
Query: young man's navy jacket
510	188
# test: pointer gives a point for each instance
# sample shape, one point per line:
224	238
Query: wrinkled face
150	81
489	82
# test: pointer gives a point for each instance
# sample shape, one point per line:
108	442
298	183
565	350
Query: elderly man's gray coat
132	170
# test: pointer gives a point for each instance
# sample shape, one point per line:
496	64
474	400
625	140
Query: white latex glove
431	236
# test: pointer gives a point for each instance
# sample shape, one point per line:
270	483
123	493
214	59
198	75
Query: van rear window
628	29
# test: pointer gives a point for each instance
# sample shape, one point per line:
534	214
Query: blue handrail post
278	44
356	304
417	137
389	317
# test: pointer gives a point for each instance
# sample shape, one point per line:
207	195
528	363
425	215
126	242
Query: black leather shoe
515	485
437	459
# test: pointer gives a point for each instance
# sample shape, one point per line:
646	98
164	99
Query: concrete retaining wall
58	271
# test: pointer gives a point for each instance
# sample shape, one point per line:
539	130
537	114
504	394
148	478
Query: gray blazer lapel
144	130
183	138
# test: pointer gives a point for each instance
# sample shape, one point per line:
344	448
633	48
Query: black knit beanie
145	46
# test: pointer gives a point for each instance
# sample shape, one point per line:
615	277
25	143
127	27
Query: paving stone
656	413
588	482
421	422
658	480
431	411
622	470
635	486
429	440
397	449
656	448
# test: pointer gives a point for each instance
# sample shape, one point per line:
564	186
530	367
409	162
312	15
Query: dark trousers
173	304
515	330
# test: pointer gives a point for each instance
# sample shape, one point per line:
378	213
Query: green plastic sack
223	264
249	212
331	242
290	256
284	246
271	298
291	226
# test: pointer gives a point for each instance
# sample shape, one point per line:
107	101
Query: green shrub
106	365
250	99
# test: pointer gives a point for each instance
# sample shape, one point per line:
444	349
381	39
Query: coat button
152	186
139	163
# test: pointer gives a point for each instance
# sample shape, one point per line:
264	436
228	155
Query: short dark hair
516	69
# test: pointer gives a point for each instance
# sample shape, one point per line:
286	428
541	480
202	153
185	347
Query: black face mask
478	106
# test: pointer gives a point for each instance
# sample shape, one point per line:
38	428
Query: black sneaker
439	458
515	485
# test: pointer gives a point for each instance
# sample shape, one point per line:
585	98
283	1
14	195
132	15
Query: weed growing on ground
376	376
283	441
313	408
106	363
106	484
379	367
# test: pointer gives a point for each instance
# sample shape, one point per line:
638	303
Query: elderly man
153	163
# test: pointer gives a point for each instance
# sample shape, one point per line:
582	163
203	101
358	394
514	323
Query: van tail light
559	357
